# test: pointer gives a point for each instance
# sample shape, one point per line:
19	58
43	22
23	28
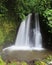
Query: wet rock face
44	31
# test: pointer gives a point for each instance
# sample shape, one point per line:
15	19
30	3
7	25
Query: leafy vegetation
2	62
48	14
39	62
48	59
7	31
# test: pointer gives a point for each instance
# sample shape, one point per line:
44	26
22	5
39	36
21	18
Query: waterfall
37	33
23	33
24	40
20	36
27	28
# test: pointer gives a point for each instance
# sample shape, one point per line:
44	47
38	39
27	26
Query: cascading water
37	34
23	41
23	33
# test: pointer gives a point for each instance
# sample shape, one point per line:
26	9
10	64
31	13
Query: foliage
7	31
23	7
17	63
23	63
12	63
48	59
2	62
48	14
2	37
40	63
44	61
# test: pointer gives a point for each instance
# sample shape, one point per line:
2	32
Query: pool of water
25	55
